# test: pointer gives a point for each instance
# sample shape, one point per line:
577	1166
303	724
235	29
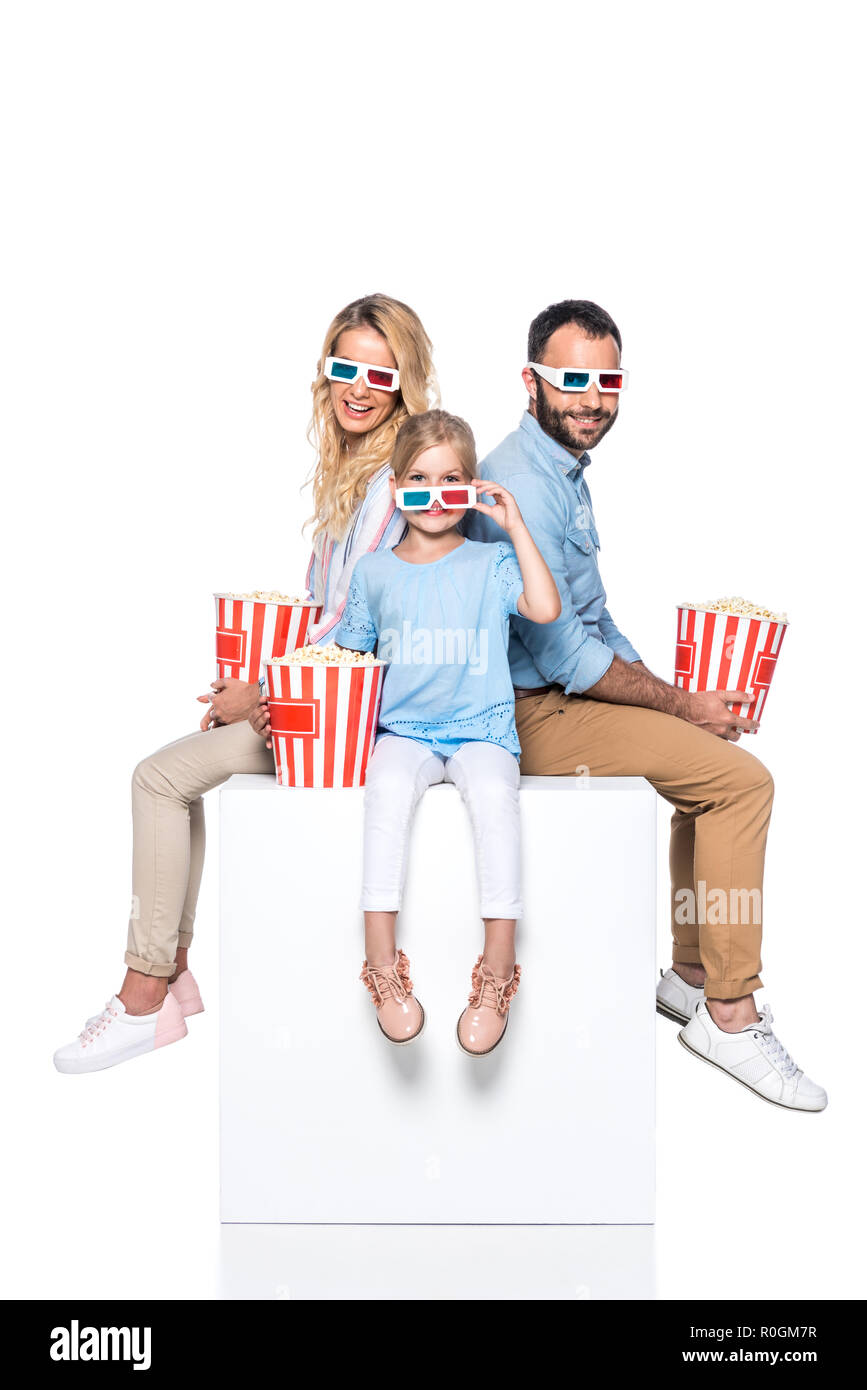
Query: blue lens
416	499
344	371
575	381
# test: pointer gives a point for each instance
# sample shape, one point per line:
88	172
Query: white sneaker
116	1036
755	1057
675	999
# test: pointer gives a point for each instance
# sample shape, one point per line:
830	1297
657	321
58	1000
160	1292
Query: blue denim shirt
549	487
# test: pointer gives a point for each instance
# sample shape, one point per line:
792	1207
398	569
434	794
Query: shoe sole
69	1067
668	1011
402	1042
488	1050
799	1109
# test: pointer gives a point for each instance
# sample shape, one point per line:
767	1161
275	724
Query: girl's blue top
443	628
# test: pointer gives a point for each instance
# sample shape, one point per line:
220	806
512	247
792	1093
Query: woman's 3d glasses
419	499
580	378
378	378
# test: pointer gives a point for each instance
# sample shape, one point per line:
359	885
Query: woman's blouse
376	525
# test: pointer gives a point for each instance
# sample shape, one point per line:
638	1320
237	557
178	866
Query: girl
438	608
375	370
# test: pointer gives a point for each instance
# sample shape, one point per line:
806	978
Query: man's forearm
630	683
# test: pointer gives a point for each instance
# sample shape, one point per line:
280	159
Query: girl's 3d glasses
419	499
580	378
379	378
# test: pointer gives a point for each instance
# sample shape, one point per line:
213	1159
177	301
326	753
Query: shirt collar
566	463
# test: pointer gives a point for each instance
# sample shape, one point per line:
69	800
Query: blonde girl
437	608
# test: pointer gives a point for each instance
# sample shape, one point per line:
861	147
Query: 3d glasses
581	378
378	378
419	499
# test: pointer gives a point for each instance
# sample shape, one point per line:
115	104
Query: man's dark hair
582	312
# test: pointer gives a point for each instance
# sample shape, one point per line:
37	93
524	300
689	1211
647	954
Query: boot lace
391	980
96	1025
773	1048
490	992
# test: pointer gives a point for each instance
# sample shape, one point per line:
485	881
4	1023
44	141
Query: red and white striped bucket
250	632
323	721
724	651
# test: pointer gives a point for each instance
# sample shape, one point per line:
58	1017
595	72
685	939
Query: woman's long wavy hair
340	479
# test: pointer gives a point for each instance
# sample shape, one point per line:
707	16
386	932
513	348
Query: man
585	699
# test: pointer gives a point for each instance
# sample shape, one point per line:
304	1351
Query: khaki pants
169	835
722	797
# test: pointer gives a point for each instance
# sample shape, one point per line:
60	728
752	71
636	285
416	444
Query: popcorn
323	704
330	655
272	596
254	628
738	607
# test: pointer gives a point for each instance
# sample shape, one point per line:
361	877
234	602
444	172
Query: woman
375	370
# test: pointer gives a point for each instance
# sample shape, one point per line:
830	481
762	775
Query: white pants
487	777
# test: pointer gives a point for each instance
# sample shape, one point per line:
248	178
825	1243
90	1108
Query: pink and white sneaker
186	991
115	1036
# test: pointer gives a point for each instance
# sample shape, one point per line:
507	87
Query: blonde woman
374	371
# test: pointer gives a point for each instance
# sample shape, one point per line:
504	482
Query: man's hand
630	683
260	721
709	709
230	701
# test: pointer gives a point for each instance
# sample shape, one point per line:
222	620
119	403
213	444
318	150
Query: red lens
380	378
455	496
610	381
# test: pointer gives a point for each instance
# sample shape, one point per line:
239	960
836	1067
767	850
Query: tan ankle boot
482	1025
398	1013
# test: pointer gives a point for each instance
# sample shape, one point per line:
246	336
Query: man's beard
556	424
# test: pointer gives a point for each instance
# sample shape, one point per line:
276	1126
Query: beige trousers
169	835
722	797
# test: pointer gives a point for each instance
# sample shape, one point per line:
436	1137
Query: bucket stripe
729	644
370	726
747	660
706	645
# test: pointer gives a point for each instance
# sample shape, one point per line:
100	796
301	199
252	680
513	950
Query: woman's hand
260	720
230	701
505	511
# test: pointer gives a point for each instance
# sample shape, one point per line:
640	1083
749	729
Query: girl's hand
260	721
505	511
230	701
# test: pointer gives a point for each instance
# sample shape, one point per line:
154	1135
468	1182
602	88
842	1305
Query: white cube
322	1120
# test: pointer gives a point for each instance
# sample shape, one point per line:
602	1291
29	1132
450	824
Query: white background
191	191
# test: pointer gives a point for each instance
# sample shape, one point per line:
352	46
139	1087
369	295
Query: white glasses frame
365	368
436	495
555	376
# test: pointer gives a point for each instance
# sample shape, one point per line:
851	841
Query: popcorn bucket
323	722
250	632
724	651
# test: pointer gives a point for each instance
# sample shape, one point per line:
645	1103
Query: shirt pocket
584	539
